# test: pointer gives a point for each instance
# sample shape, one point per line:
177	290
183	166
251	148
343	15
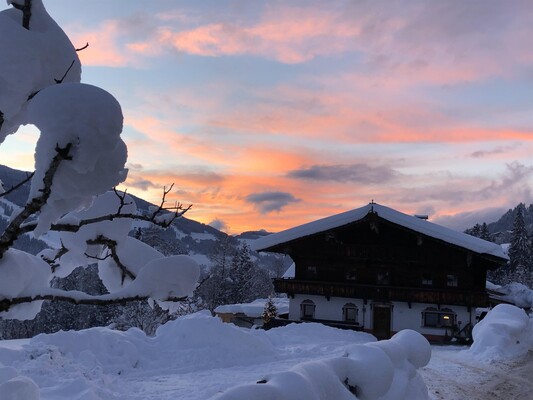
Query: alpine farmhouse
381	271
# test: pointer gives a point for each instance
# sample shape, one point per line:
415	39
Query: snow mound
518	294
210	341
19	388
314	333
381	370
112	351
506	332
16	387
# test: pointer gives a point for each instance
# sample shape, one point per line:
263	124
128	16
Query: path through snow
455	375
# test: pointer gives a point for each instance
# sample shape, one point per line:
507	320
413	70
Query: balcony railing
382	293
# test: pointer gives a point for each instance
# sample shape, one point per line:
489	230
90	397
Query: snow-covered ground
198	358
453	374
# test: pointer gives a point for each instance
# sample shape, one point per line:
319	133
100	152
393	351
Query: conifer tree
484	232
270	311
520	248
242	275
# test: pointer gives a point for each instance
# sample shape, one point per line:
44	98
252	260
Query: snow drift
379	370
506	332
102	364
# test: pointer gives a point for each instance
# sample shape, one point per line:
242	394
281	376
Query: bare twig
83	48
108	255
179	210
53	261
15	187
1	119
122	198
14	230
66	73
202	282
112	246
26	12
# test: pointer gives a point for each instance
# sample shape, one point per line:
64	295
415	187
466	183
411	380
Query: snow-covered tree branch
79	156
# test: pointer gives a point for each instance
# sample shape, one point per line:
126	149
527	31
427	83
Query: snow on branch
79	298
13	230
79	155
160	216
112	246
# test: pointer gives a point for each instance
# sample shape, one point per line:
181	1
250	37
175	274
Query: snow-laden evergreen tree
520	248
249	280
480	231
217	285
484	232
234	277
474	231
242	271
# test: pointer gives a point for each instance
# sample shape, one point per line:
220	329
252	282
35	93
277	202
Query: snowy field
198	358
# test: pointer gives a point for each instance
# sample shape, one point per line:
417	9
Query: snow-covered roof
291	271
254	309
408	221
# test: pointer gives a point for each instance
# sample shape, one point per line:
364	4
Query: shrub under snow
505	332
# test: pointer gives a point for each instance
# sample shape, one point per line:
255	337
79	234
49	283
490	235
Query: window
311	271
351	275
433	318
427	279
307	309
452	280
349	312
383	277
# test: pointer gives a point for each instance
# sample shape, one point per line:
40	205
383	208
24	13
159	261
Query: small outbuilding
248	315
379	270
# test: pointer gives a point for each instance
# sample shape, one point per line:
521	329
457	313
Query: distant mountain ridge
195	238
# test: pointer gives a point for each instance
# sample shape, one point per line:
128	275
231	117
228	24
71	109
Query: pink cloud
103	49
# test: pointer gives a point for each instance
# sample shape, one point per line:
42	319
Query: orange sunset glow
269	114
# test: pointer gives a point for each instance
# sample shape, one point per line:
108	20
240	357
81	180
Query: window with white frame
452	280
427	279
349	312
307	309
351	275
433	318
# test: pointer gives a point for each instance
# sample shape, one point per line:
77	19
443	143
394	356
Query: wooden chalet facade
382	271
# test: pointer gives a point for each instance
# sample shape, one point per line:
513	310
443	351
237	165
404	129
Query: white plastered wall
402	316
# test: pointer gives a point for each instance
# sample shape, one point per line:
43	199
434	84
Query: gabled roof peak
408	221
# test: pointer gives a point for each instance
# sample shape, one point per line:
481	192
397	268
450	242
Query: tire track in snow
452	376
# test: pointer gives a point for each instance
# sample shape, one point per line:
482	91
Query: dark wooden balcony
450	296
